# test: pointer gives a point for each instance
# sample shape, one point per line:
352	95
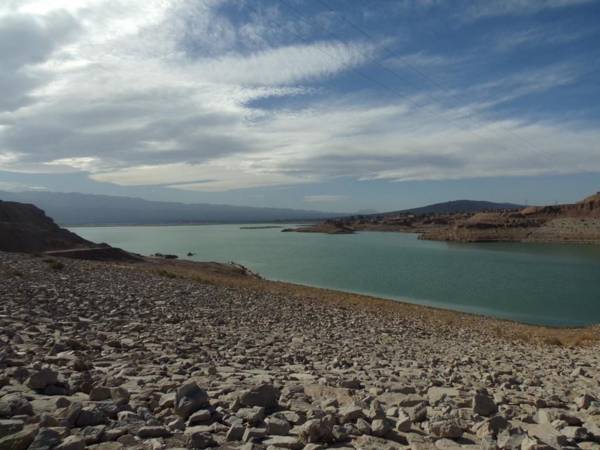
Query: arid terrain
571	223
171	354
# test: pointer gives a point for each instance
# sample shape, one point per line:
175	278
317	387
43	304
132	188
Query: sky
333	105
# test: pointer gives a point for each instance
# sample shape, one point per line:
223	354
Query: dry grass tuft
54	264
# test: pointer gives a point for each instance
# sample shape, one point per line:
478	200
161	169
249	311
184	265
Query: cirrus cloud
165	93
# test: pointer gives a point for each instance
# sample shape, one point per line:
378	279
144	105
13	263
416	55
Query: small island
261	227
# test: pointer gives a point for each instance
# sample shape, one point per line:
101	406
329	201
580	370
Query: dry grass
54	264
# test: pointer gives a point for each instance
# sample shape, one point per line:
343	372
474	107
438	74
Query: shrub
553	340
54	264
167	274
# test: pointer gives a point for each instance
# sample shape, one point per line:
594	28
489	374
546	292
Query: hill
475	221
25	228
459	206
572	222
87	209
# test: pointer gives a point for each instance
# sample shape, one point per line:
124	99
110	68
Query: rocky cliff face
26	228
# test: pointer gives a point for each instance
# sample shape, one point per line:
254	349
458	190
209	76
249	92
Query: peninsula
569	223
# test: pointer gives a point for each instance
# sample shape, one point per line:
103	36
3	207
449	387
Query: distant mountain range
87	209
460	206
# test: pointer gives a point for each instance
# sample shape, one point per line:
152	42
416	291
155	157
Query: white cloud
422	60
80	164
286	65
537	36
160	93
17	187
220	175
490	8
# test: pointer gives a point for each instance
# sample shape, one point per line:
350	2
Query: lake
551	284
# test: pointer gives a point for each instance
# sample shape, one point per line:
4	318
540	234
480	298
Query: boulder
283	442
510	438
436	394
93	434
200	417
363	426
235	432
153	432
21	440
41	379
446	428
99	393
71	443
403	422
253	433
189	399
264	395
10	427
491	427
251	415
120	395
15	405
45	439
317	430
90	416
484	405
350	414
277	426
380	427
199	439
584	401
546	434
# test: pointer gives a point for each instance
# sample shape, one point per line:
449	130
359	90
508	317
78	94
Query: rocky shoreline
178	355
577	223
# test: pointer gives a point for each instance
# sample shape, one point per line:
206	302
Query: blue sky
323	104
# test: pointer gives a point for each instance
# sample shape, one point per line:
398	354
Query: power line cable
389	54
388	87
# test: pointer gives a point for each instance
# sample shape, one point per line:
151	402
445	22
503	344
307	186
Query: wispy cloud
13	186
492	8
286	65
141	93
423	60
538	36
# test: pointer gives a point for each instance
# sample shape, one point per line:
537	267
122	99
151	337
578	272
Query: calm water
536	283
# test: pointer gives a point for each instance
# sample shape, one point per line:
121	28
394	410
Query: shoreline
133	225
178	354
196	271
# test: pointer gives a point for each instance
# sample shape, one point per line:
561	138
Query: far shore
111	225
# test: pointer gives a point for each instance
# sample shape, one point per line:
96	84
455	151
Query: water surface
550	284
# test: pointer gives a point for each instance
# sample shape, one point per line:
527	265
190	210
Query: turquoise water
536	283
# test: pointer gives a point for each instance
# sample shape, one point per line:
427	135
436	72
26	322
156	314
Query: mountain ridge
458	206
77	209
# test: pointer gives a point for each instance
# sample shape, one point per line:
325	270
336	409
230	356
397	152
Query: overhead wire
404	79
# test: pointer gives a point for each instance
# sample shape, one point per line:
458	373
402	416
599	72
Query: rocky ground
106	356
